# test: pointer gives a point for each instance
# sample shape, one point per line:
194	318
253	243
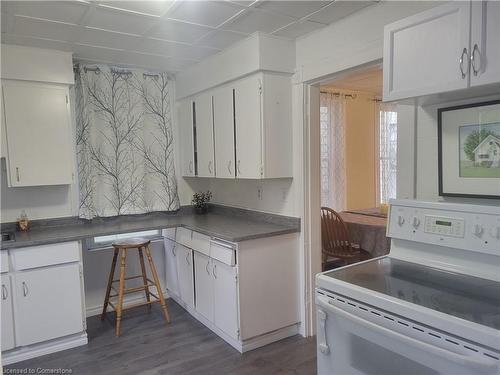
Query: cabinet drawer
223	252
169	233
46	255
4	265
201	243
183	236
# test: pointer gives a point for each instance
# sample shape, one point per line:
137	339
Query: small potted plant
200	202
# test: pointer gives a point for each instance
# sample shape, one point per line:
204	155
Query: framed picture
469	150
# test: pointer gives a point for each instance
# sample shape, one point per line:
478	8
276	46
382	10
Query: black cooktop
467	297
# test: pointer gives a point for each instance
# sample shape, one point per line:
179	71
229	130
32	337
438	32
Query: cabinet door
39	142
204	135
204	285
422	52
7	314
186	137
224	132
48	303
248	127
485	43
226	299
185	274
171	267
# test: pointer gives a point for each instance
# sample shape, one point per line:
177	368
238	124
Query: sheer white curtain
388	139
333	175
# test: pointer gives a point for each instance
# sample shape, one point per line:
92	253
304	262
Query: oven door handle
485	366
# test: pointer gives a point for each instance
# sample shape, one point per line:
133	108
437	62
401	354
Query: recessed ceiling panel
179	31
211	13
155	8
44	29
63	11
251	21
221	39
103	38
298	29
296	9
338	10
111	19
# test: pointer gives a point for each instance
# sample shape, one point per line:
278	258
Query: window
105	241
388	139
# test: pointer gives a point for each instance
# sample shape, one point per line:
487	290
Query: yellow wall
360	149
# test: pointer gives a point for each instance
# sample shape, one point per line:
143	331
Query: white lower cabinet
204	285
171	267
8	341
185	275
48	303
226	298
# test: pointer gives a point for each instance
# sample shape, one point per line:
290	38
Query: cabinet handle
206	267
473	60
229	167
173	251
191	166
5	293
25	289
464	53
210	166
187	258
238	167
214	269
17	174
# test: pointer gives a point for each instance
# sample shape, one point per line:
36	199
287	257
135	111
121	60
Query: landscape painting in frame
480	150
469	150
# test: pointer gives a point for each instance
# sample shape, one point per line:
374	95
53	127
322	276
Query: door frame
311	188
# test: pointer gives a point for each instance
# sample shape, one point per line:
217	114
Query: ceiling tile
155	8
103	38
251	21
92	53
179	31
63	11
296	9
36	42
44	29
116	20
172	49
210	13
245	3
338	10
220	39
298	28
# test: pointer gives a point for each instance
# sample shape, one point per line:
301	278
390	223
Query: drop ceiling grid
169	35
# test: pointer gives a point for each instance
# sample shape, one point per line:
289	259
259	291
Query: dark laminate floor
148	346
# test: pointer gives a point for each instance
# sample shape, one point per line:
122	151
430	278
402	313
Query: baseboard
130	300
246	345
24	353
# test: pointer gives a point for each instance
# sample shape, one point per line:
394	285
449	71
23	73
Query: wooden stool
120	248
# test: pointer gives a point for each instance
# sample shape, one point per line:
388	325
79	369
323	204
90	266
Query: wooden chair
120	249
336	246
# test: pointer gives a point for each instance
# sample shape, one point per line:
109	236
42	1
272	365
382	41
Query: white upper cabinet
427	53
448	48
203	115
485	43
38	133
186	137
224	132
248	120
263	126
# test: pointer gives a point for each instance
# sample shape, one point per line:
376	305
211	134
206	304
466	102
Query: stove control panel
446	226
460	226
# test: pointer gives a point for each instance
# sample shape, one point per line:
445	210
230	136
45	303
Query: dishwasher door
355	339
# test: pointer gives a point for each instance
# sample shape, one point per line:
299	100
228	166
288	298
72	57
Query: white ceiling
368	80
166	35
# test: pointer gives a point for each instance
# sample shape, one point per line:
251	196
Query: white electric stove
432	306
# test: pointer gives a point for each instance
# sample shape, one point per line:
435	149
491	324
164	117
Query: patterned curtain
333	174
124	142
388	147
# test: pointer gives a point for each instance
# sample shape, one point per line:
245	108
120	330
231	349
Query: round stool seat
128	243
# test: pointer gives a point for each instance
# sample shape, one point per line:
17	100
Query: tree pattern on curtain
124	142
332	132
388	148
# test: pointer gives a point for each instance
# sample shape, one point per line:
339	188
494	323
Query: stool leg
110	282
144	277
157	283
119	306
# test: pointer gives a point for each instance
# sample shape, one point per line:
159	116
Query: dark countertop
230	224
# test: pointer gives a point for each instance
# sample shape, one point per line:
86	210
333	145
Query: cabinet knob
416	222
5	293
478	230
401	220
25	289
